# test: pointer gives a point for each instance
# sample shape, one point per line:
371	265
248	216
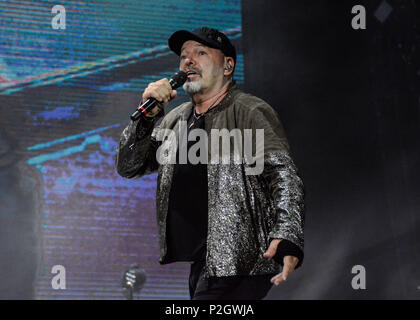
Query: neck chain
202	114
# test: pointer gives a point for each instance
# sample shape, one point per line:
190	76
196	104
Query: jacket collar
233	89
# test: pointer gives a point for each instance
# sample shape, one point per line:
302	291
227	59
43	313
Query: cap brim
178	38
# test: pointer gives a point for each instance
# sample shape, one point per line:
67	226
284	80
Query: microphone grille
178	79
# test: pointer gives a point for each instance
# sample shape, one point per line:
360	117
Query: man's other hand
289	262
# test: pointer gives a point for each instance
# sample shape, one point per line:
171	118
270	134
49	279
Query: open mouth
191	73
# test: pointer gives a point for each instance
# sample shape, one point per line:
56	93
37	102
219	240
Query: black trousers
227	288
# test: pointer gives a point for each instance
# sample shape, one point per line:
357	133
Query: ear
229	66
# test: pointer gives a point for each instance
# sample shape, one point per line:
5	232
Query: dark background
349	101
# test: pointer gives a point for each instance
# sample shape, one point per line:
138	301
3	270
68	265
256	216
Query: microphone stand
132	281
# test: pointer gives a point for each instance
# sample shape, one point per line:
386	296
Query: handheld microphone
133	280
177	80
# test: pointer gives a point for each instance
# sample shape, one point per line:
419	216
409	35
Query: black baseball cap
207	36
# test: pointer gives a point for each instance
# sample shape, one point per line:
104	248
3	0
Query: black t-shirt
187	218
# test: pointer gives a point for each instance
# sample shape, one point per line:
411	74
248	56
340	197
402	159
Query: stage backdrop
65	96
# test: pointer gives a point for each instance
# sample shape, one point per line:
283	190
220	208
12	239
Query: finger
154	111
287	270
164	94
159	90
173	94
277	279
271	251
166	84
162	98
163	87
150	92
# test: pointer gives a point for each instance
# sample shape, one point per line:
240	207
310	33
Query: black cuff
156	116
288	248
146	124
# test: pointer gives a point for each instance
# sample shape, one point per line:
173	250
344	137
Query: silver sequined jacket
244	211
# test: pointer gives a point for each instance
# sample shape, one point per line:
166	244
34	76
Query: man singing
235	228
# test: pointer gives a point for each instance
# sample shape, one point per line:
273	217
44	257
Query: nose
188	61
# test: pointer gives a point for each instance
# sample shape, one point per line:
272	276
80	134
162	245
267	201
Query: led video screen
70	77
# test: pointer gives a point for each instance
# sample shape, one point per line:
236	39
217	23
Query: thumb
173	94
271	251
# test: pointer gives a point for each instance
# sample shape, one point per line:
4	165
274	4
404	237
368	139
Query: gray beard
192	87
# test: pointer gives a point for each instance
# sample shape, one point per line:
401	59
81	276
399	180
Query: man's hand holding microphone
158	94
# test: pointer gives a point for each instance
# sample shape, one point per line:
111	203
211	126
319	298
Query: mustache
192	69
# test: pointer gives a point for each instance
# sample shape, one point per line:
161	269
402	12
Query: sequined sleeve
136	152
281	175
